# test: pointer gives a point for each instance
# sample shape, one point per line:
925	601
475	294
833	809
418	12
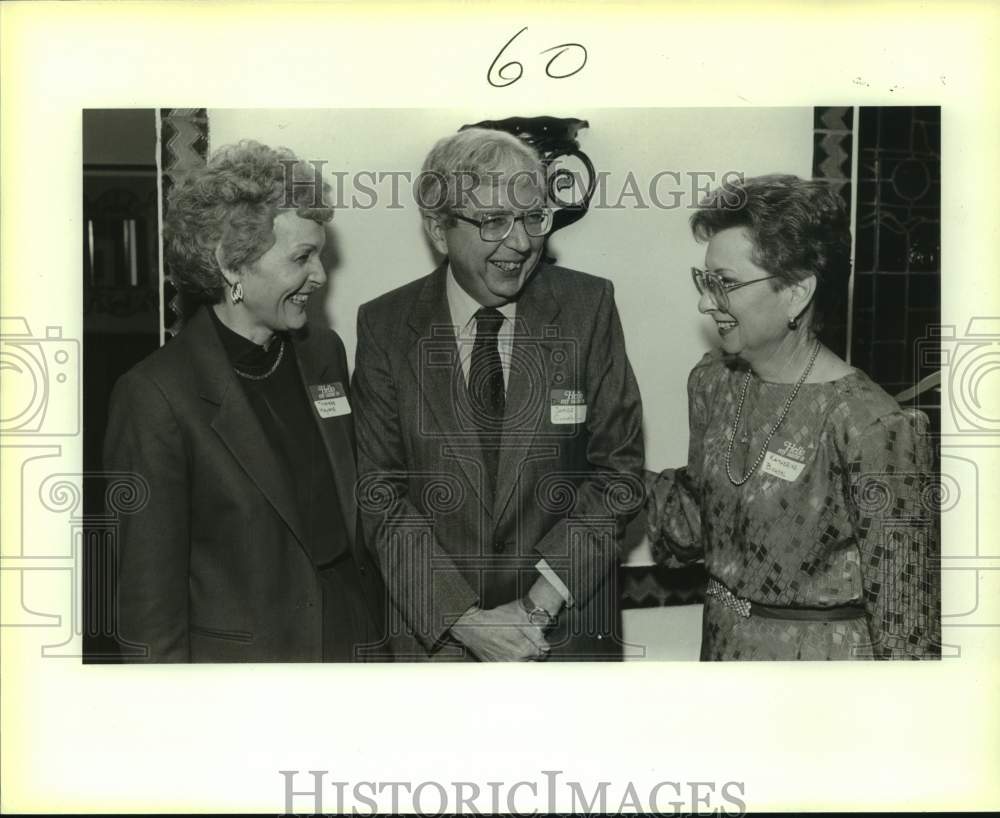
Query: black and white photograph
479	409
474	480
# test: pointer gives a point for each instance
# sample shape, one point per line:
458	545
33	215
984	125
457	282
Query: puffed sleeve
897	529
673	505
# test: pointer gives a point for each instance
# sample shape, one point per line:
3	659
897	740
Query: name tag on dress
330	399
567	407
782	467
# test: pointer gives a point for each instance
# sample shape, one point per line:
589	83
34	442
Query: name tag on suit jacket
330	399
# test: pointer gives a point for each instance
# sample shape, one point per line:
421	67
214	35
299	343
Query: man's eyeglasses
497	226
717	287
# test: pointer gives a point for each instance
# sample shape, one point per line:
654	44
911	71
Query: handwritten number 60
499	78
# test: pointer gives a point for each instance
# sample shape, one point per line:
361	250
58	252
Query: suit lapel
528	385
336	436
437	370
235	422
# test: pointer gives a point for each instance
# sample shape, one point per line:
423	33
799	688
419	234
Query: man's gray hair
460	163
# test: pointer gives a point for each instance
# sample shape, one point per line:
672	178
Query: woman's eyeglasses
497	226
717	287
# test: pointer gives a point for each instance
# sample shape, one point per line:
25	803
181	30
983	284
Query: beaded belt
742	607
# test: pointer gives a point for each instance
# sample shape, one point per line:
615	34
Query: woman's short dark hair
230	205
797	228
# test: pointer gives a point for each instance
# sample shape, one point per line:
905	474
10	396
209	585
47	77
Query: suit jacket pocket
233	636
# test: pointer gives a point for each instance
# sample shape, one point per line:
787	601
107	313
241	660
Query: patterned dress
840	513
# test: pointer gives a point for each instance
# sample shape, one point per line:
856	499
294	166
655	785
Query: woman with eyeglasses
808	490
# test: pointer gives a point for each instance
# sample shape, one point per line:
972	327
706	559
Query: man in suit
499	425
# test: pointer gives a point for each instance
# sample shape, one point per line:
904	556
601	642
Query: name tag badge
567	407
782	467
330	399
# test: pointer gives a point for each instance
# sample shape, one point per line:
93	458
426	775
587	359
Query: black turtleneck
281	404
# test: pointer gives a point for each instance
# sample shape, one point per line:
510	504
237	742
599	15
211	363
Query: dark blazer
214	567
564	490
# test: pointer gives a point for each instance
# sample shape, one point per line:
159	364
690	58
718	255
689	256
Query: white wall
646	252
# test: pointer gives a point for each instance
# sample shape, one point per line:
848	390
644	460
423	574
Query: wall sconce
570	191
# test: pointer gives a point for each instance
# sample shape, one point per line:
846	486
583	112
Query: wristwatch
537	615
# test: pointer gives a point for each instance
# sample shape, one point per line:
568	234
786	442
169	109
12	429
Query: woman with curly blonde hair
240	426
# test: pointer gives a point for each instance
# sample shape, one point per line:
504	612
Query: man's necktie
486	389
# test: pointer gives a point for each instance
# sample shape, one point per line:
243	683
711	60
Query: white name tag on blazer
567	406
782	467
330	399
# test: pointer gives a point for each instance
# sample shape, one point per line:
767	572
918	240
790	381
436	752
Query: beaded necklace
270	372
770	434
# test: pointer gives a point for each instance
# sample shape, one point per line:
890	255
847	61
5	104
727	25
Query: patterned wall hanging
833	141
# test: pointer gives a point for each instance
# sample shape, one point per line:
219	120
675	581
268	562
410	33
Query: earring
236	293
793	323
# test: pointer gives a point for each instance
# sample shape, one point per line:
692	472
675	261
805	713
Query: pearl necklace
767	440
270	372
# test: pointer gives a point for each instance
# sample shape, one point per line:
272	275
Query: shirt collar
463	307
242	350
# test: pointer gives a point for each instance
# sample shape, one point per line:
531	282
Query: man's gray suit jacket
570	463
